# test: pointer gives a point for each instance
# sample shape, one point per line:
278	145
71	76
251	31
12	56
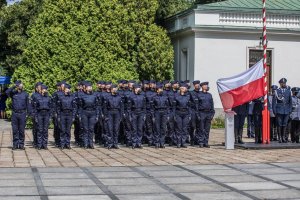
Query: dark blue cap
174	82
100	82
120	81
125	81
18	82
44	87
187	81
204	83
152	81
87	83
145	82
68	86
283	80
159	85
131	81
108	83
137	85
38	84
196	82
295	89
114	86
274	87
183	85
166	82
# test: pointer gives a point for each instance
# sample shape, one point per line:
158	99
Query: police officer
195	132
182	110
38	92
56	95
282	107
239	121
43	106
206	113
150	113
258	107
89	109
162	108
99	129
127	129
137	106
67	109
273	123
295	115
113	111
171	123
78	128
20	106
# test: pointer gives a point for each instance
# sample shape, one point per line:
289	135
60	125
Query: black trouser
77	130
205	124
138	121
160	126
250	126
181	126
56	130
171	128
295	130
88	121
114	120
239	121
149	126
258	128
66	120
273	128
127	128
18	121
282	123
43	120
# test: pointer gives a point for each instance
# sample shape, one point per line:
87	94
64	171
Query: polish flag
242	88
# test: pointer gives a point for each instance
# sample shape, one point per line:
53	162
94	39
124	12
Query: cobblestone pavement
181	182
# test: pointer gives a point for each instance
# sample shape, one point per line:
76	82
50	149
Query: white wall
220	55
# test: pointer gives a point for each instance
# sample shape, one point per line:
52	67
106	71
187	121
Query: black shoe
68	147
178	145
133	147
22	148
85	147
206	146
109	147
162	146
156	146
39	148
61	147
92	147
201	145
116	146
139	146
183	146
14	148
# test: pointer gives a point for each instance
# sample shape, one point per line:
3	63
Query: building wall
220	55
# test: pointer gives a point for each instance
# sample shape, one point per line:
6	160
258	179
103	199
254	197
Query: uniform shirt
89	101
182	103
20	100
282	101
43	103
150	94
137	102
67	102
195	94
160	101
206	102
113	102
295	115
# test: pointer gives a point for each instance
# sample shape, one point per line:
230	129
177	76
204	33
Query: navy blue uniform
282	107
171	123
57	130
78	127
99	129
182	106
149	116
43	106
258	107
126	119
137	106
20	105
239	121
161	106
66	108
113	111
195	132
207	112
89	110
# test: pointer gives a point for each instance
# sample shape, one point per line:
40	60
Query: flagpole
266	113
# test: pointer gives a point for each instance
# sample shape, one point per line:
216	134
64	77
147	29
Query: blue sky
9	2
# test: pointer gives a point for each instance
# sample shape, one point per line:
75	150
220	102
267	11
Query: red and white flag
242	88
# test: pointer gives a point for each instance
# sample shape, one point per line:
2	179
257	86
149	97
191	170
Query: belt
182	109
67	111
114	109
43	110
205	110
90	109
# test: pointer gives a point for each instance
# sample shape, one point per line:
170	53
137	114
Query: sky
10	2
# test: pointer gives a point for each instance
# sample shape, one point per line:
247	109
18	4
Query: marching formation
131	113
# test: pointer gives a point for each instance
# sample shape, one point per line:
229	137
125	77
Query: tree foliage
95	40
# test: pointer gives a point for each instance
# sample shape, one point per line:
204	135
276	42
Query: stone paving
149	173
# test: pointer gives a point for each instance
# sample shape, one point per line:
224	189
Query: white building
219	40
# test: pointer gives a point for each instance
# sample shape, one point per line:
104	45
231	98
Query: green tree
75	40
2	3
15	20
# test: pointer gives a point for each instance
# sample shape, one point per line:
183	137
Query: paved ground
232	181
148	173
